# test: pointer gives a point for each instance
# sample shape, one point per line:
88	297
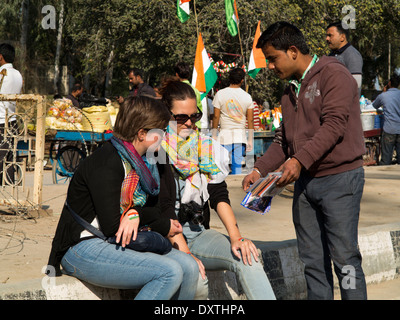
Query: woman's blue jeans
160	277
214	251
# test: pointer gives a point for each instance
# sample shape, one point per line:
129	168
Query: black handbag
146	240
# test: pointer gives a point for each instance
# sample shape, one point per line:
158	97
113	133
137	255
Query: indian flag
183	10
204	74
257	58
232	18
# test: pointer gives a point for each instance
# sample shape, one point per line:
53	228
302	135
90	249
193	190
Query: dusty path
25	243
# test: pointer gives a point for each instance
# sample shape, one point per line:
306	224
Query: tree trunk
109	73
58	49
23	39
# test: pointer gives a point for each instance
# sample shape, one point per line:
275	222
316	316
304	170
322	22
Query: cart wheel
52	153
57	177
67	161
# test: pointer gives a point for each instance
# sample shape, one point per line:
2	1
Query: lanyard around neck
297	84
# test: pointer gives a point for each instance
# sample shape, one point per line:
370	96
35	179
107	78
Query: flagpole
195	15
241	46
238	22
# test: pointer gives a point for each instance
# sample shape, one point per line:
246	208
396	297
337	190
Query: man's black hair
136	72
340	29
236	75
394	81
8	52
282	35
182	69
76	87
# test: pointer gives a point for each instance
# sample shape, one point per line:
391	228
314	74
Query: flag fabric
183	10
257	59
204	74
232	18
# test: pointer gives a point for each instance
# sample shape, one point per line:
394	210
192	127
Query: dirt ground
25	243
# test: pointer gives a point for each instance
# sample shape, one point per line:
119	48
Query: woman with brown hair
114	190
191	182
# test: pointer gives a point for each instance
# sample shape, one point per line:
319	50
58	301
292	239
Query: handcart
372	147
262	140
69	148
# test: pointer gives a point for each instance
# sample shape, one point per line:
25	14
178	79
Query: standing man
76	92
10	83
232	106
320	146
337	39
182	71
138	86
390	101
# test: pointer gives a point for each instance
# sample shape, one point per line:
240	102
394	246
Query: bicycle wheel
67	161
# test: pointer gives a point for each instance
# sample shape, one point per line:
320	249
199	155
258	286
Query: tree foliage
102	39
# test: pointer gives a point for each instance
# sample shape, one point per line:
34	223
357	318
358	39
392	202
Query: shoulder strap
85	224
176	176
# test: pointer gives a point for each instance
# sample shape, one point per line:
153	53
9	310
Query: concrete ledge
379	246
61	288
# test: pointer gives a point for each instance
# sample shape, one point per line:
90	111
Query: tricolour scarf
142	178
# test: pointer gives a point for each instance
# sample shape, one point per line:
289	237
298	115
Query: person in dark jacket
320	146
115	189
192	177
76	92
138	86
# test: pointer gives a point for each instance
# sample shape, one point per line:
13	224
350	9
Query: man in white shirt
232	106
10	83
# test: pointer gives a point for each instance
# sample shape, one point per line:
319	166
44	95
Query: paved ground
387	290
25	243
380	205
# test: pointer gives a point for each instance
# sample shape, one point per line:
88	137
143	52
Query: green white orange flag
204	74
232	18
183	10
257	59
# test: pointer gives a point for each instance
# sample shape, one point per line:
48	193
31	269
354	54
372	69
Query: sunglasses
183	118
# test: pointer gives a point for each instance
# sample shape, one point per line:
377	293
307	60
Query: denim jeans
390	142
237	152
160	277
325	215
214	251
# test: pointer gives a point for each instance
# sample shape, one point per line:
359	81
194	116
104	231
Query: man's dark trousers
326	214
390	142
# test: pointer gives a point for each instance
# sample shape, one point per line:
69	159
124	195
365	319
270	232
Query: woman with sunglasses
115	189
191	180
